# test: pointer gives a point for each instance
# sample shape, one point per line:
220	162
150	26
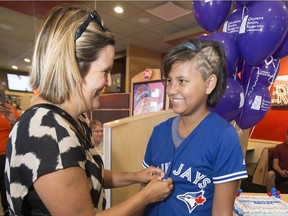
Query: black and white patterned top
41	142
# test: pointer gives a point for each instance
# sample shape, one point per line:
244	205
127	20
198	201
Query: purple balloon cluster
255	38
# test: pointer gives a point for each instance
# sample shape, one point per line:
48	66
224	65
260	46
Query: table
284	197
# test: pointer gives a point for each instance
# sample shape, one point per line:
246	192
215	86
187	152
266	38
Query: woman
50	167
97	136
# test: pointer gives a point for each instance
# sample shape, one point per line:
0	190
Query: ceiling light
27	60
118	9
14	67
144	20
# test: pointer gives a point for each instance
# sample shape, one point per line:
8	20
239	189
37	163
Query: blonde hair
94	123
59	62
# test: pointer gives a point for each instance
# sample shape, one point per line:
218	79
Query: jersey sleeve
229	160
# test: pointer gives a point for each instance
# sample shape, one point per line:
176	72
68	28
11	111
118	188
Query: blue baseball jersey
211	154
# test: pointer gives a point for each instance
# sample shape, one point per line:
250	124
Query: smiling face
97	134
98	77
187	90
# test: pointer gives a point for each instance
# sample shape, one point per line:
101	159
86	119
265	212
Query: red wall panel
275	123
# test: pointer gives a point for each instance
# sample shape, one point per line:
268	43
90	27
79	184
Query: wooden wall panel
112	107
137	60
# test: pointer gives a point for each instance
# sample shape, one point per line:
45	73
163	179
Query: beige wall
138	59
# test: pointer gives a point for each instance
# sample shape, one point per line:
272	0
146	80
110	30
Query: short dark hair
212	62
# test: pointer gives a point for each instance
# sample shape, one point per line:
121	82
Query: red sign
147	74
280	92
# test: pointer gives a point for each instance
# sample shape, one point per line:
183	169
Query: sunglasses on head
93	16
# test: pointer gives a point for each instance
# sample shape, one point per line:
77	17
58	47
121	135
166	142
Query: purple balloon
264	73
237	5
255	107
210	15
282	50
233	23
231	50
243	3
231	102
262	30
240	65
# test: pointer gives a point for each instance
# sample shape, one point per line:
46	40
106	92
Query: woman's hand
146	175
8	112
157	190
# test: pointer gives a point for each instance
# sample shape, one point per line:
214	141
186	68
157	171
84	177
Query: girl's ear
211	83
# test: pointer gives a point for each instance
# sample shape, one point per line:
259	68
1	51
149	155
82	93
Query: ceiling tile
108	19
160	45
153	20
129	29
128	41
118	36
184	4
169	11
185	22
146	36
146	5
166	28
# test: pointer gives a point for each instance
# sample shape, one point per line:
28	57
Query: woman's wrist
134	177
144	197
